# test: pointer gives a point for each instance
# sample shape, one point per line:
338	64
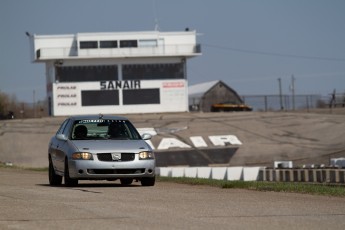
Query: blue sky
248	44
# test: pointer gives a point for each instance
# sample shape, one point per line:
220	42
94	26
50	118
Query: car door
58	146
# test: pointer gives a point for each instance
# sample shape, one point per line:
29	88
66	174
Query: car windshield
103	130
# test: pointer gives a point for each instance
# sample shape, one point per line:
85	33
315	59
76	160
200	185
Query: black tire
148	181
69	182
126	181
54	179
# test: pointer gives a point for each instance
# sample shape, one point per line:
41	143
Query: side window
62	127
66	129
133	131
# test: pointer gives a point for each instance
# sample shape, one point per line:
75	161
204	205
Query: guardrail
324	175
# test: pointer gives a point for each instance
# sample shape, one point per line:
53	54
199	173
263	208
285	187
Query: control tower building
116	73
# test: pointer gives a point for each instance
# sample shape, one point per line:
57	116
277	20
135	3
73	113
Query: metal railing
73	52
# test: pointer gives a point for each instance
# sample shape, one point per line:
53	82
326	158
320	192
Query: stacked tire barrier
317	175
324	175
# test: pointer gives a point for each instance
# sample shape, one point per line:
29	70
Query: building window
86	73
141	96
153	71
148	43
108	44
99	97
88	45
128	43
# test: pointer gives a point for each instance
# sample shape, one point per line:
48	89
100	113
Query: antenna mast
155	15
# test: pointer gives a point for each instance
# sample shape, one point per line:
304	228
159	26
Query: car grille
116	171
108	157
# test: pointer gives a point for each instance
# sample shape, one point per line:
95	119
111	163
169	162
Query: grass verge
295	187
10	166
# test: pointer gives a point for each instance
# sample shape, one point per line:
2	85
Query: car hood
96	146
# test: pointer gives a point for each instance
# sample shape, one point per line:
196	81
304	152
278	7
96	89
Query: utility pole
280	93
293	91
34	103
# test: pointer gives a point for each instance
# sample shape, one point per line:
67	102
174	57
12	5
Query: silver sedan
100	148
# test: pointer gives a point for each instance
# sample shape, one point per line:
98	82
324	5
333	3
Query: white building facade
116	73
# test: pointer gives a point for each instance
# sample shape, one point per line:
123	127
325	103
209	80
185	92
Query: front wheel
69	182
54	179
148	181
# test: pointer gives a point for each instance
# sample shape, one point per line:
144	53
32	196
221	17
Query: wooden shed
204	95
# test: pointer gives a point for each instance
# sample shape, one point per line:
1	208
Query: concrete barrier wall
235	173
216	173
191	172
252	173
325	175
219	173
204	172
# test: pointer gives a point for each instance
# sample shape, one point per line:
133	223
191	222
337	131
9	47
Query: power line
275	54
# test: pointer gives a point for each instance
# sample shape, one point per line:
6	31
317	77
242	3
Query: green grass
294	187
3	165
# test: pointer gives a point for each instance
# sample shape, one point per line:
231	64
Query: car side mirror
146	136
61	137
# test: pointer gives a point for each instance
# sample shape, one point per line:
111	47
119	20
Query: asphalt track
28	202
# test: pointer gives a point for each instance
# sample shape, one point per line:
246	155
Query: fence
288	102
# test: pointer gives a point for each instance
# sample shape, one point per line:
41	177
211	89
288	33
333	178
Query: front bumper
98	170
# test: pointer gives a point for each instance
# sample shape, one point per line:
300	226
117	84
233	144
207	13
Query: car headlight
82	156
146	155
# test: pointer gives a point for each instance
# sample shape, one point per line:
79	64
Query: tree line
11	108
